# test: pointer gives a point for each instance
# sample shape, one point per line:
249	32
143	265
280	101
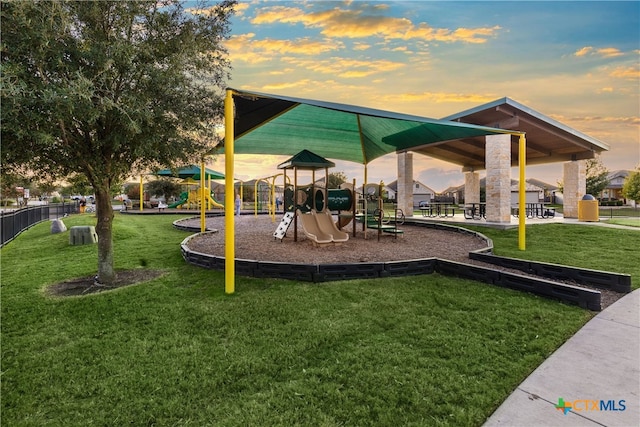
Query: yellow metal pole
255	198
295	203
313	188
365	178
141	194
364	197
229	220
208	192
284	191
354	205
203	221
522	162
272	198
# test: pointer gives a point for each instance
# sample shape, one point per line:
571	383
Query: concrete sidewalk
600	364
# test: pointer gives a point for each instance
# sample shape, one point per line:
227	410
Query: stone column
472	187
405	183
498	190
575	186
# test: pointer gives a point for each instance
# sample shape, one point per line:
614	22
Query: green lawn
585	246
631	222
423	350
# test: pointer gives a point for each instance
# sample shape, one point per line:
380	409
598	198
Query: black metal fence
58	210
624	211
15	222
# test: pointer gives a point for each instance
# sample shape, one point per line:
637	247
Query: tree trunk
104	230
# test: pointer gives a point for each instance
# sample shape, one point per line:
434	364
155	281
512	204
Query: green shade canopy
281	125
191	171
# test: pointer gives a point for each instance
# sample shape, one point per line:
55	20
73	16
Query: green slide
183	199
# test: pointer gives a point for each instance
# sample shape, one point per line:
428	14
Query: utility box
588	209
83	235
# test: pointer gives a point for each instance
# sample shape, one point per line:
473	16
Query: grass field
422	350
631	222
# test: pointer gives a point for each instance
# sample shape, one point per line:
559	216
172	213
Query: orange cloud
346	67
627	73
583	51
609	52
244	48
615	120
281	72
275	14
288	85
355	24
240	8
605	52
440	97
303	46
466	35
361	46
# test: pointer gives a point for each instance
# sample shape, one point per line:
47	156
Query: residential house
536	191
421	192
613	191
456	193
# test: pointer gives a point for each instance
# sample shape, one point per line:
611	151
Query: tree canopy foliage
335	179
107	88
597	176
163	187
101	88
631	187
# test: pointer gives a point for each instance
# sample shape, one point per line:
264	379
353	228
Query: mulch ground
86	285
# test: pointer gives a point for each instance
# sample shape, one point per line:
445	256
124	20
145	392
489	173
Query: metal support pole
522	162
203	221
229	219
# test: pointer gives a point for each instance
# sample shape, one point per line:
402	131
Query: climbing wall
283	226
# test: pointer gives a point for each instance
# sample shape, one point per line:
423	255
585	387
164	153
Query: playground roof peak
305	159
190	171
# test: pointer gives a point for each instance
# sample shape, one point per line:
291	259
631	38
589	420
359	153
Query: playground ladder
284	225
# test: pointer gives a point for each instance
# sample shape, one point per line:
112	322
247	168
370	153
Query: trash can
588	209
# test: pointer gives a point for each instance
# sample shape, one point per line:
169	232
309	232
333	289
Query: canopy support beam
522	163
203	221
229	220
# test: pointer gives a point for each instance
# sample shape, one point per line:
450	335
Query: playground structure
374	216
271	202
313	204
304	200
195	199
191	200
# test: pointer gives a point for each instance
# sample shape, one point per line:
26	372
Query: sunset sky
576	62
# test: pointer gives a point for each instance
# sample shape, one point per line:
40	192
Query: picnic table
442	210
475	210
534	210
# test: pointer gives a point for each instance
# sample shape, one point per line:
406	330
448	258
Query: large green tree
336	179
631	186
597	177
108	88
